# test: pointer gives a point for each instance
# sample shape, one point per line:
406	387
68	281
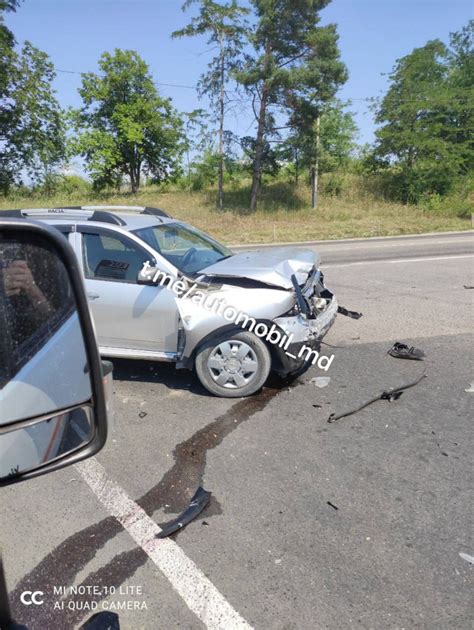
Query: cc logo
31	597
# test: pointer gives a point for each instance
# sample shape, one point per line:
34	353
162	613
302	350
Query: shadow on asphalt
136	371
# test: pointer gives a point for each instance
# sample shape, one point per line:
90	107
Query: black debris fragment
390	395
105	620
332	505
142	414
467	286
402	351
317	406
196	506
347	313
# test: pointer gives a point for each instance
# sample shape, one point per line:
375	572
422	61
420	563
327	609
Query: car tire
233	365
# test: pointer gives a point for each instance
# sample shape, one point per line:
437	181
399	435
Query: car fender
199	321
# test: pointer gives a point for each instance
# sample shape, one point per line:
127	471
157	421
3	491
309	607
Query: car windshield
186	248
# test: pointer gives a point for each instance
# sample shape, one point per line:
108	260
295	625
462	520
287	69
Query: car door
129	318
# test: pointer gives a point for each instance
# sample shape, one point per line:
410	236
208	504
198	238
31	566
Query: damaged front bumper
305	333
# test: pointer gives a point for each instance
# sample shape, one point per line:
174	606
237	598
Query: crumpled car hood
273	266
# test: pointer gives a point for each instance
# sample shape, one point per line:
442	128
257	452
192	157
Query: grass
284	212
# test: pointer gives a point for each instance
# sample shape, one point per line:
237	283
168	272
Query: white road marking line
466	556
397	261
199	593
378	245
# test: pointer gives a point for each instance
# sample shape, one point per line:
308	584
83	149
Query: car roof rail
157	212
102	214
67	212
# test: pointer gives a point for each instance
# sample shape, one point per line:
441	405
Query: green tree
223	23
296	65
270	158
461	88
198	137
7	57
7	39
32	124
330	146
124	127
426	118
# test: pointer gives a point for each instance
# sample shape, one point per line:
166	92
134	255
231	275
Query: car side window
112	257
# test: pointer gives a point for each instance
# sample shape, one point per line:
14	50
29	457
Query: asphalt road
359	523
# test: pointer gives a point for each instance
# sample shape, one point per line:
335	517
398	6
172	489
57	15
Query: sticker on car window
114	269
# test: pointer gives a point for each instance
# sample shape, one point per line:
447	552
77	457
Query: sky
373	34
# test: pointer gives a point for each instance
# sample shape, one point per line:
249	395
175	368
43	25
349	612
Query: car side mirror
52	401
150	275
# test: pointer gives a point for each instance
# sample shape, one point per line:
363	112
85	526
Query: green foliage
223	23
32	124
334	185
427	117
295	67
457	204
270	159
124	127
7	40
203	171
59	184
337	133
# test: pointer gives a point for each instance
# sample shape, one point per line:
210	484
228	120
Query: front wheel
233	365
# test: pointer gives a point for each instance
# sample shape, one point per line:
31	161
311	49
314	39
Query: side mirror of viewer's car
52	401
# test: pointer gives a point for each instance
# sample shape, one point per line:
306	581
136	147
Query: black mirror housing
42	301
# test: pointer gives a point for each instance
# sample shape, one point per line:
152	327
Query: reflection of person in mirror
18	280
37	293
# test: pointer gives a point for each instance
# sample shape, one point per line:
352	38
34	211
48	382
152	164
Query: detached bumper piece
353	314
197	505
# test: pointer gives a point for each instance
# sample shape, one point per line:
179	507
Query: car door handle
93	296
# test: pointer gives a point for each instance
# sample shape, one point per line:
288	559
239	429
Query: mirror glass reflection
43	360
34	444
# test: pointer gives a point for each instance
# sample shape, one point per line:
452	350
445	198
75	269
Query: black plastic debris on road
105	620
195	507
391	394
353	314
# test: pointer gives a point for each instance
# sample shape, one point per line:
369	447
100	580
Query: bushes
458	204
55	184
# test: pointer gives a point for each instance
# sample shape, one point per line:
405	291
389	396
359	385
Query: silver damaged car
161	290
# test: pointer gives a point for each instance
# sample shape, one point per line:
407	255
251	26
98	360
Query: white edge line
356	239
198	592
397	261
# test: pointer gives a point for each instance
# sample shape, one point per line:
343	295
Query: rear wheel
233	365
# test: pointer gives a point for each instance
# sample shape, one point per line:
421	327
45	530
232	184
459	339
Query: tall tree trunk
259	146
260	139
135	178
220	184
315	168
